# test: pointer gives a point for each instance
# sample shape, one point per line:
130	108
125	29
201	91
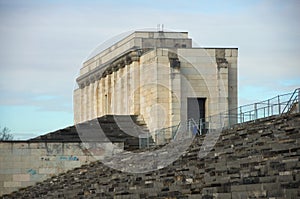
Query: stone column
91	101
121	95
127	90
223	91
113	93
82	104
175	96
98	95
105	95
86	105
117	102
95	99
131	89
101	94
109	95
77	101
135	83
164	94
124	89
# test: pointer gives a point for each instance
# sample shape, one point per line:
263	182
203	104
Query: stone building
158	76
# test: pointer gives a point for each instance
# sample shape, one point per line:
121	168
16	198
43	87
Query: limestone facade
153	75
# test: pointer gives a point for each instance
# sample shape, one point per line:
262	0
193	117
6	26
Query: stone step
116	128
260	160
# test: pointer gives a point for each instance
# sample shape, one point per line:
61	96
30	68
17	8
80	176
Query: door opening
196	111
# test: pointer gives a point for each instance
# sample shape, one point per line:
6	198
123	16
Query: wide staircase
257	159
109	128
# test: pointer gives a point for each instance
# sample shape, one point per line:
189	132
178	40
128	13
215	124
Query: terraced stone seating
115	129
258	159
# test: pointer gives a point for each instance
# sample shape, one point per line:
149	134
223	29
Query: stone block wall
154	78
23	164
209	73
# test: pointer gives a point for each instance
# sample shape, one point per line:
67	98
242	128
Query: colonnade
116	93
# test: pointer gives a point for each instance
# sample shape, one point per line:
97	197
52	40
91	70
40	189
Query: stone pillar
131	89
118	92
106	94
82	103
223	92
109	94
86	103
175	96
164	92
101	94
95	99
77	105
231	57
113	93
135	84
98	91
91	101
222	75
122	95
125	90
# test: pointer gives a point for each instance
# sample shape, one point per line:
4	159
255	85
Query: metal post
268	107
190	129
200	126
228	120
298	100
272	109
279	106
241	117
140	142
255	111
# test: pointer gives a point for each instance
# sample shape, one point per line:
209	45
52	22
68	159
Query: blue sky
43	44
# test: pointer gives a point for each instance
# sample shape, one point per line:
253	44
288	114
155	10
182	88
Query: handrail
270	99
175	133
277	105
273	106
292	99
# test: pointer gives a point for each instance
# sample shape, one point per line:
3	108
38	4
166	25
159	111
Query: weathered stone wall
258	159
158	92
153	76
155	89
23	164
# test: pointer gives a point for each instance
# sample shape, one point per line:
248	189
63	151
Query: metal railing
281	104
294	102
165	135
278	105
274	106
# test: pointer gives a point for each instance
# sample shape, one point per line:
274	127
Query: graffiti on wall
69	158
31	172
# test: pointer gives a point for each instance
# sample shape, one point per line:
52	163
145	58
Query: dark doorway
196	111
196	108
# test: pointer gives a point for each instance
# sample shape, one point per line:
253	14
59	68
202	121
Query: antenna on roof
160	27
